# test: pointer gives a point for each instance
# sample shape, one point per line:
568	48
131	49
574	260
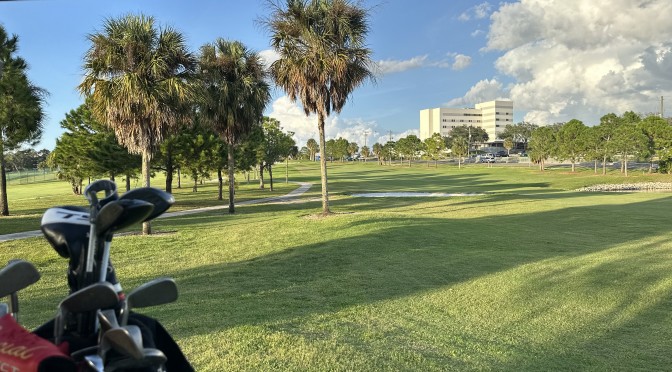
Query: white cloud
389	66
461	62
580	59
293	118
269	56
484	90
479	11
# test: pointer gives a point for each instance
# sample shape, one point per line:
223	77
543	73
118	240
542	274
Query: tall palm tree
323	58
21	112
137	77
233	94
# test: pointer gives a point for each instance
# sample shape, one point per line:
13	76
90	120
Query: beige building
492	116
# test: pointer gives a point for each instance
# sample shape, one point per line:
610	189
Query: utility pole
366	133
390	134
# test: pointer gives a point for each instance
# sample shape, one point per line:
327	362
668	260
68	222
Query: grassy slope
531	276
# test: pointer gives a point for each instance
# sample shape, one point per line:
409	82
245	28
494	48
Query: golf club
17	275
96	296
156	292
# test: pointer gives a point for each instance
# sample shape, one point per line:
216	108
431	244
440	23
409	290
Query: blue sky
555	60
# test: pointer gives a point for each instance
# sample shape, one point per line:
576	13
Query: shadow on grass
398	258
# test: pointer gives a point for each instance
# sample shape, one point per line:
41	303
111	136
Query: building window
461	121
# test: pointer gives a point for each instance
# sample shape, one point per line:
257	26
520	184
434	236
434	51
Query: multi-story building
492	116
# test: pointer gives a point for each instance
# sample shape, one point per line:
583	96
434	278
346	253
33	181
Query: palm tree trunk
170	169
146	158
4	207
220	184
231	179
323	165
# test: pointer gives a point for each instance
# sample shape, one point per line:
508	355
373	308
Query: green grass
530	276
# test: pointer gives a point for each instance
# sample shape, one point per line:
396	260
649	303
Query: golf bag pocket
22	351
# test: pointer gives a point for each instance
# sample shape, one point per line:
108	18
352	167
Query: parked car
502	153
488	158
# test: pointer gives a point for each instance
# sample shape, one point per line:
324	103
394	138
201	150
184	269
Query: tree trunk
220	184
625	164
231	165
459	163
179	177
195	187
261	176
112	176
573	167
323	165
604	165
170	169
287	170
270	175
128	182
146	159
595	161
4	207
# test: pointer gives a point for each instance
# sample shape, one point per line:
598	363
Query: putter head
108	187
159	198
17	275
119	214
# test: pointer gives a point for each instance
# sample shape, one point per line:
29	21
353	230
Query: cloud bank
579	59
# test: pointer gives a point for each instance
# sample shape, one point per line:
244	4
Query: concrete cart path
303	187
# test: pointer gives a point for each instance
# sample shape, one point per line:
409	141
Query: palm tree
313	147
138	79
323	58
21	112
233	94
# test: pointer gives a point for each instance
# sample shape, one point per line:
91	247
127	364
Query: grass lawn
530	275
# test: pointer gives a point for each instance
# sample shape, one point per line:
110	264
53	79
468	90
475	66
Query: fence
30	176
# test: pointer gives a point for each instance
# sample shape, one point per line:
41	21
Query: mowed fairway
529	276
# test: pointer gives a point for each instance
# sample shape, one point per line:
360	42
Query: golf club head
150	358
17	275
99	295
119	214
94	363
107	319
156	292
159	198
125	340
66	228
108	187
153	293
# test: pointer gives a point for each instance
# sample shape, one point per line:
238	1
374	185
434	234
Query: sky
556	60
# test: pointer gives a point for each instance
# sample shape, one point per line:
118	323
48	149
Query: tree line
626	137
145	86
